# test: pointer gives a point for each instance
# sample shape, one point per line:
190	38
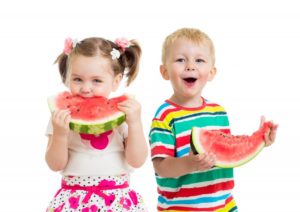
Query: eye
97	80
77	79
200	60
180	60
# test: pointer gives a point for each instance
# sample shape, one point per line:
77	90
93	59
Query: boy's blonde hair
191	34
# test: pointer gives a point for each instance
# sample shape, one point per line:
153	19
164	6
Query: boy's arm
175	167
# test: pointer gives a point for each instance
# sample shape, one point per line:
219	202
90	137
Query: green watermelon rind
197	148
97	128
92	127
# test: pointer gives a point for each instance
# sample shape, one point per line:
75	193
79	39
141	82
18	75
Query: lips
190	79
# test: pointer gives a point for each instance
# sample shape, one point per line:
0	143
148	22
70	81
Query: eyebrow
93	77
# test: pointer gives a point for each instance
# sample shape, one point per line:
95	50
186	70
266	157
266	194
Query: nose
190	66
86	88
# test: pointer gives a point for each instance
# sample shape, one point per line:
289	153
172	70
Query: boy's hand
132	109
201	162
60	122
270	135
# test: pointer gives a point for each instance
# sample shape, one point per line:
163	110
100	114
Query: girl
94	179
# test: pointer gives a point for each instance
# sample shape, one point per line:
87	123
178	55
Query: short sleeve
162	140
123	130
49	130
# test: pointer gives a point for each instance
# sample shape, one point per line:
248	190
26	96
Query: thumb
262	121
193	151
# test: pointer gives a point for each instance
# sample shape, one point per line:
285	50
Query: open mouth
190	80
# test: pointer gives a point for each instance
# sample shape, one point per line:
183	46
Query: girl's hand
132	109
60	122
270	135
201	162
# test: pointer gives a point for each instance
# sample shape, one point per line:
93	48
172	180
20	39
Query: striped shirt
208	190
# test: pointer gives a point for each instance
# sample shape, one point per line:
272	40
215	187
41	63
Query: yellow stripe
160	124
228	206
181	113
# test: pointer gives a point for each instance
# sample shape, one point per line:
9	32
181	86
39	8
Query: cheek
73	88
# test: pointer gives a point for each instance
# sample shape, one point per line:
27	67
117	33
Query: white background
257	51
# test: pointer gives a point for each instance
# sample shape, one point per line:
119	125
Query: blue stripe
200	200
183	152
160	130
162	107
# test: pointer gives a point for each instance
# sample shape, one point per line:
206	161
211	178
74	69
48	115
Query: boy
188	182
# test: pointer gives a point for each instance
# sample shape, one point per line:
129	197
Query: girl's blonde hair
127	63
191	34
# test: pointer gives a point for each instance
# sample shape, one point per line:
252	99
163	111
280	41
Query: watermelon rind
99	127
197	148
92	127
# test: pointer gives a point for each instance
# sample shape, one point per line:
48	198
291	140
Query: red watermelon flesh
93	115
230	150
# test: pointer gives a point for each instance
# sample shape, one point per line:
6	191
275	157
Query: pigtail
62	61
130	59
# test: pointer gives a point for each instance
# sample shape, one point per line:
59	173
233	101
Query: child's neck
193	102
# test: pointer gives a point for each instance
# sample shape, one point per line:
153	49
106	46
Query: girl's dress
96	177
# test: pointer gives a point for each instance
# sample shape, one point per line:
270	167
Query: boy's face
188	66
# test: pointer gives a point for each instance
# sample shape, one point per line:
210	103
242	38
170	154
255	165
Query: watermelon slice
230	150
89	115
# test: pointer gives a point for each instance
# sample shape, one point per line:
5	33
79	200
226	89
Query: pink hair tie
69	45
123	43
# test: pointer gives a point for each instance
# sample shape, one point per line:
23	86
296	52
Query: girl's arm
136	149
57	149
176	167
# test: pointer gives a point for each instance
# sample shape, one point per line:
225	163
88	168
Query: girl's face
92	76
188	66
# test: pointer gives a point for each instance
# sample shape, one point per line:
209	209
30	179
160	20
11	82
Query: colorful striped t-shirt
208	190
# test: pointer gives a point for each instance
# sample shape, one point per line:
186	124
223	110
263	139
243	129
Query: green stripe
161	137
195	178
220	121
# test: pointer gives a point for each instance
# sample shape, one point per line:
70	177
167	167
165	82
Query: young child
188	182
96	179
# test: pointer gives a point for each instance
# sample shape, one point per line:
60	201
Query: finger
200	157
262	121
68	119
191	152
273	132
213	158
61	115
267	139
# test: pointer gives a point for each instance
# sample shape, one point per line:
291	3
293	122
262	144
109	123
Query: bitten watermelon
89	115
230	150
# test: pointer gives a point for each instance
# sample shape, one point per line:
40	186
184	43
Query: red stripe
182	141
191	192
212	104
165	113
162	150
228	200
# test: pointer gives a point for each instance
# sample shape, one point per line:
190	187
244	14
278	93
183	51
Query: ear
164	72
212	73
117	80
